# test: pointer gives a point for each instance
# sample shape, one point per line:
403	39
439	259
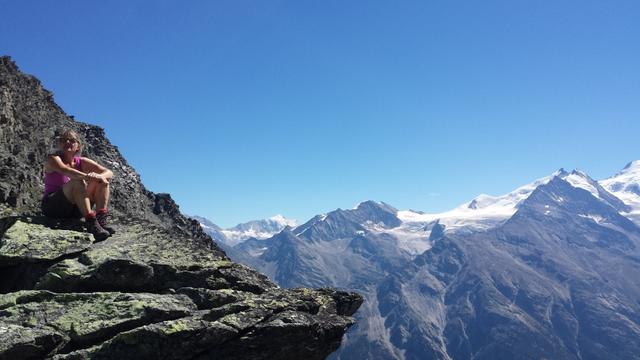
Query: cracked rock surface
158	289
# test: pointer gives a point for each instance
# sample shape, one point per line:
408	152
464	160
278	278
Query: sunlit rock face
158	288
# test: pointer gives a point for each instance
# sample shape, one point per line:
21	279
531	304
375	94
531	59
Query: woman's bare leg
98	193
76	192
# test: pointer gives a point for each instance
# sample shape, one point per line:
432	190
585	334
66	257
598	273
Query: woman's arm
95	170
55	163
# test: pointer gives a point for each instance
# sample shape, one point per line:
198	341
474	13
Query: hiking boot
93	226
103	220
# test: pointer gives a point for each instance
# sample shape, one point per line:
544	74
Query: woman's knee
103	186
79	186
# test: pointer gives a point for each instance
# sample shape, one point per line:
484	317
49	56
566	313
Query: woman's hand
97	177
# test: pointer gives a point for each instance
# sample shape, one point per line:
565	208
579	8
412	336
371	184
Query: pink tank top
54	180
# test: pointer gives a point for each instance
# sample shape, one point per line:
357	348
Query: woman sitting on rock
73	183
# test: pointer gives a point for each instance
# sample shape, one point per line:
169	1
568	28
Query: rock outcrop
158	288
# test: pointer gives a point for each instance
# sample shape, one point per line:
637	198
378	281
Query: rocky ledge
158	289
144	293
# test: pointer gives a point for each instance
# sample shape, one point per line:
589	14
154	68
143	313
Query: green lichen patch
208	299
8	300
20	342
87	317
24	296
299	335
246	319
148	243
254	309
32	242
173	339
7	211
63	276
143	257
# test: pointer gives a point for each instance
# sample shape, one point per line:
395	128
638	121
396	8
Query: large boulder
29	241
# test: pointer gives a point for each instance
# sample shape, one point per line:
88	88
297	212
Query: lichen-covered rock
33	242
30	245
24	342
209	299
239	330
83	319
218	308
158	289
175	339
320	333
143	257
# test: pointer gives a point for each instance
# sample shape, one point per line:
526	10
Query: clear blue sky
245	109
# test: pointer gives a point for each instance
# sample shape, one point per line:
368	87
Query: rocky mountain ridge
158	288
548	270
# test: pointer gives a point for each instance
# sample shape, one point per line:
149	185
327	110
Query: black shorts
56	205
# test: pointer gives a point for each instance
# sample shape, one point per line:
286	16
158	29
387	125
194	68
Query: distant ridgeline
548	271
158	288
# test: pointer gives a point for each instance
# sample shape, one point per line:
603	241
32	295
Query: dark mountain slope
550	282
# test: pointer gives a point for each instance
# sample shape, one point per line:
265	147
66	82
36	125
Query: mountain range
255	229
549	270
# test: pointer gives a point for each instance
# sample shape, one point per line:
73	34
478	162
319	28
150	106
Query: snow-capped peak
507	204
258	229
483	212
633	166
579	179
628	176
625	185
279	219
482	201
486	211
